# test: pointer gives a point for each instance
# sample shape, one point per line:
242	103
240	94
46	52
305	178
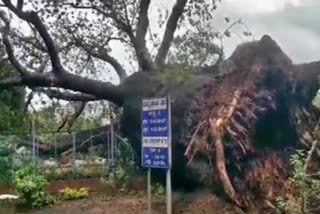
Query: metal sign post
156	141
149	191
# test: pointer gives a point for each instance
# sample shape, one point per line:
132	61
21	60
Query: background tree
12	114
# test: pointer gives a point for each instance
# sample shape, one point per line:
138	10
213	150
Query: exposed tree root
246	114
221	161
217	133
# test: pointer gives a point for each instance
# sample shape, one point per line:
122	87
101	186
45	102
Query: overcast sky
294	24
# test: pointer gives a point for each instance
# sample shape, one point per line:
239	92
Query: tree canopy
67	44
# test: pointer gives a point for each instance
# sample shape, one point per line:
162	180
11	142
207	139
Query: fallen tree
246	118
241	116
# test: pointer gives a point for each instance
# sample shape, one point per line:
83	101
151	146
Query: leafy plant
125	167
119	179
73	194
176	73
30	185
6	153
12	117
158	189
306	187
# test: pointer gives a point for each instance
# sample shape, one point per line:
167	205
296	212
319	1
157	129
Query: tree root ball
250	104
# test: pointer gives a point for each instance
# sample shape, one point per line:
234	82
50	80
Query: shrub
30	185
306	186
125	168
73	194
6	167
119	179
158	189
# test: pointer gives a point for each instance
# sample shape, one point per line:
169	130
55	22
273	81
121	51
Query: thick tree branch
53	93
11	56
169	31
143	55
112	14
143	22
33	18
100	90
8	46
20	4
60	78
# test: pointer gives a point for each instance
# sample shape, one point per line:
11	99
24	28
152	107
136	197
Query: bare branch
8	46
43	65
33	18
123	24
78	6
72	120
103	54
30	41
169	32
126	12
30	97
120	24
53	93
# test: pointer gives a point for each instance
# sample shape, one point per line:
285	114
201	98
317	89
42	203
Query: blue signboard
156	133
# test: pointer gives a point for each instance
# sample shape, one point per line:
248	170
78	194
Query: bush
125	168
119	179
73	194
306	186
6	154
30	185
158	189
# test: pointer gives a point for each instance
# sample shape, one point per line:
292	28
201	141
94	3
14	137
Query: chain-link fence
70	155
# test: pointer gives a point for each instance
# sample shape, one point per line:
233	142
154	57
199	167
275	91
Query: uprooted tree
241	114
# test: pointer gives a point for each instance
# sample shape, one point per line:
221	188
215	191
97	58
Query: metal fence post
108	147
74	149
55	147
37	153
112	144
91	142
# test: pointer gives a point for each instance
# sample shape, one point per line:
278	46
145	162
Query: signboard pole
149	191
168	174
169	200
